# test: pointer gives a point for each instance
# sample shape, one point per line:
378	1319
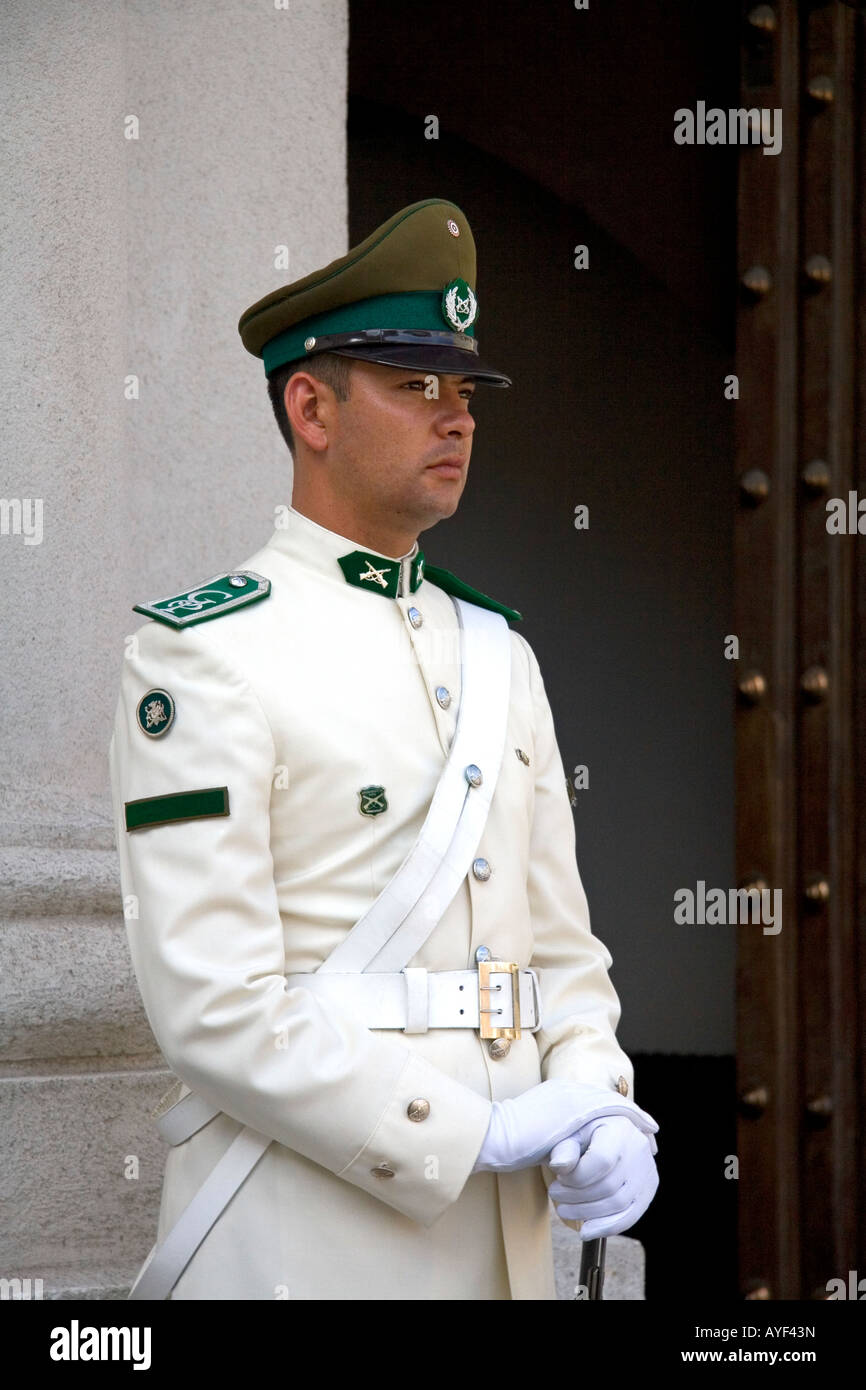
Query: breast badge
372	800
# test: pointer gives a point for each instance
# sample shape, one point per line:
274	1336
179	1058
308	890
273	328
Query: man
371	968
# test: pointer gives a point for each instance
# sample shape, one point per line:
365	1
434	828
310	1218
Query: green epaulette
211	599
452	585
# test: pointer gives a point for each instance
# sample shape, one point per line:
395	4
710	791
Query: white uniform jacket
294	704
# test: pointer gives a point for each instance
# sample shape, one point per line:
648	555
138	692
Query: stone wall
157	158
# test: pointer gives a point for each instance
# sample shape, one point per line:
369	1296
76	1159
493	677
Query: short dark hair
329	367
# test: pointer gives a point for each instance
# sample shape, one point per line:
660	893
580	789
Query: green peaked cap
405	297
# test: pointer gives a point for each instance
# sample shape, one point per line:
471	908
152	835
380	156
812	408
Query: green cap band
414	309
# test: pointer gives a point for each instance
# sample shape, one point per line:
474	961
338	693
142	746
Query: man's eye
467	392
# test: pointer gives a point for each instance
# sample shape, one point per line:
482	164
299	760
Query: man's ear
309	405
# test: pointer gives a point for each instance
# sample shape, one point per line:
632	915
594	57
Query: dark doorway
550	139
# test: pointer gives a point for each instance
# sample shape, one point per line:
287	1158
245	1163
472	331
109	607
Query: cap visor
447	361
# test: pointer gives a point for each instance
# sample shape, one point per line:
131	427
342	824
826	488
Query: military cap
405	297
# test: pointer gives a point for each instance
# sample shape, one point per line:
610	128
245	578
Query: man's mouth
450	467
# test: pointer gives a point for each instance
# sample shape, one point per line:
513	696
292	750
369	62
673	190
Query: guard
362	940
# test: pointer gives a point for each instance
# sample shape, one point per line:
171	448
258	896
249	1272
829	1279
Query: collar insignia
374	575
379	575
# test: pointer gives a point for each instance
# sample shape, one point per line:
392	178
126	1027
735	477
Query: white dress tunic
294	704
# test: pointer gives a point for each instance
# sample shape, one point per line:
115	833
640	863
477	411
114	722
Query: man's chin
431	504
440	510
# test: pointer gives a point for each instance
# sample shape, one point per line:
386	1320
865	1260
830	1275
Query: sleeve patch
149	811
155	713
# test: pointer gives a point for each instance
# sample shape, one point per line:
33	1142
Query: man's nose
458	422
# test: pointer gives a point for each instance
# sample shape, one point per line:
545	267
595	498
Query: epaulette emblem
211	599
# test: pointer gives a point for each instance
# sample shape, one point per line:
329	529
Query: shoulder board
452	585
209	600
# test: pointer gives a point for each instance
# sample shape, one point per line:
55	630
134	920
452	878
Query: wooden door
801	673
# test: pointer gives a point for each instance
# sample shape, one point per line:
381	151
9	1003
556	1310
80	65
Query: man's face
395	448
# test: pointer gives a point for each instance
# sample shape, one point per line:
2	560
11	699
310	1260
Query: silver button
415	618
473	775
382	1171
309	344
443	696
622	1086
418	1110
483	953
499	1048
482	870
237	581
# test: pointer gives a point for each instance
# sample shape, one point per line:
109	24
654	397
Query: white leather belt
415	999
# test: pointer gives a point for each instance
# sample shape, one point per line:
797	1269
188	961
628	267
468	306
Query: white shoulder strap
166	1262
409	907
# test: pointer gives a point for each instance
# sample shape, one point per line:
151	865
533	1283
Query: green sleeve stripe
452	585
177	806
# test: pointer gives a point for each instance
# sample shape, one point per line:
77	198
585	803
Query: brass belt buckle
487	1006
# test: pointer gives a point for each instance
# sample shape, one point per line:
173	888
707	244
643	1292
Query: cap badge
459	305
452	227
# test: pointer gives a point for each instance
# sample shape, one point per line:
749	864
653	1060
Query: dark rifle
592	1267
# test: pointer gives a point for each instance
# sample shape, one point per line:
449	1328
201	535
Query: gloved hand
523	1131
606	1176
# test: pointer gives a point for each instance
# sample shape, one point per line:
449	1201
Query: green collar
326	552
380	575
383	576
444	579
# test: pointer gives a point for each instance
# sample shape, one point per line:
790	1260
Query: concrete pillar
156	156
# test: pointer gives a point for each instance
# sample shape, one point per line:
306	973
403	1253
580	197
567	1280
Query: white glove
523	1131
606	1176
